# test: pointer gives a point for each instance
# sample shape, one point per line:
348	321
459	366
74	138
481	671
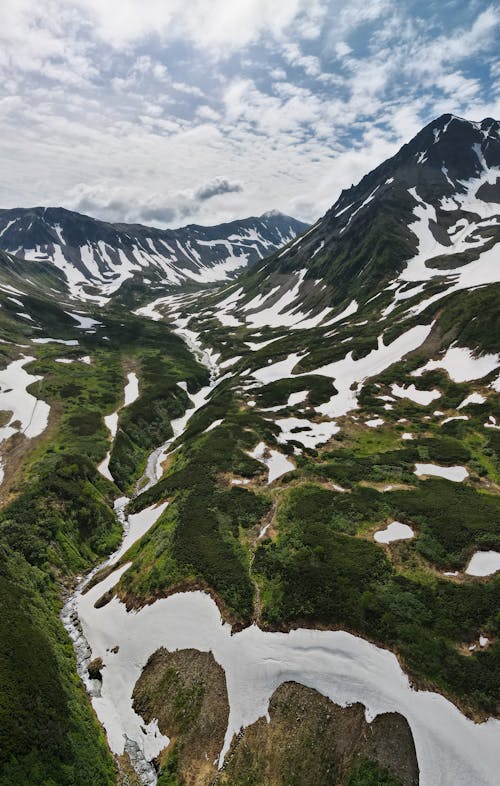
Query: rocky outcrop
186	692
308	739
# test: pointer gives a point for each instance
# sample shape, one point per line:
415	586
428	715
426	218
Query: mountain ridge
314	445
98	256
416	204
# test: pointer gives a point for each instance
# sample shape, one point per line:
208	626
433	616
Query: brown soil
309	739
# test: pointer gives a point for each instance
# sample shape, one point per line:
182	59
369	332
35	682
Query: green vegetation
197	539
320	389
319	564
348	466
59	521
48	734
63	519
185	700
169	772
145	424
455	520
459	321
368	773
322	566
314	573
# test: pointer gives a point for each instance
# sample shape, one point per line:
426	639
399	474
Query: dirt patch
186	691
386	487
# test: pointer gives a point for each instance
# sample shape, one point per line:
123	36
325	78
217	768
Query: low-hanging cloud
127	204
216	187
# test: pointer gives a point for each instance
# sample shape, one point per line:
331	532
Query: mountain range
272	452
98	257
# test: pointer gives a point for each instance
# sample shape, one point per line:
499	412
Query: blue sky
171	112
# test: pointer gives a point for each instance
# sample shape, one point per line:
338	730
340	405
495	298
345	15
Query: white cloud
294	57
218	25
342	49
145	104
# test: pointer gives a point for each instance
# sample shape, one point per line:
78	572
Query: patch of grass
320	389
312	573
198	537
455	520
369	773
169	773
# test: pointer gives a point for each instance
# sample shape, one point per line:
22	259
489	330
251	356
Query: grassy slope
320	565
59	521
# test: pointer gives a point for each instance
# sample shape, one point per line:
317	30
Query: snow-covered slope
351	388
408	260
98	257
423	224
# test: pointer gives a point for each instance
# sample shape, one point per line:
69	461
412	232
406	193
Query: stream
451	750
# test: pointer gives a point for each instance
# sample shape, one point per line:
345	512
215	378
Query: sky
172	112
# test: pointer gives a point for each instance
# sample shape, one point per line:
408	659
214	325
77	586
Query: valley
297	476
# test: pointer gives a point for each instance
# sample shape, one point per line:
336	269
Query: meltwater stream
451	750
143	742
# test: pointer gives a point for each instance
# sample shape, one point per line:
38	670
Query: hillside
305	463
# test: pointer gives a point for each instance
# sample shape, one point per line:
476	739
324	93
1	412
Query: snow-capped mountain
97	257
425	221
313	447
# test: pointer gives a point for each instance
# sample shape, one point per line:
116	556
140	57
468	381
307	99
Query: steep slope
355	401
98	257
426	220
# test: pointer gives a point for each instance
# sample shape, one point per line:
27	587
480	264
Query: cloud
218	186
221	26
294	57
342	49
130	204
144	103
126	204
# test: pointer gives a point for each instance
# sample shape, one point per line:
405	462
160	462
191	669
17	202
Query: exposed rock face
94	669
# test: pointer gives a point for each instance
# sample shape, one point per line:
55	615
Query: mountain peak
438	196
446	153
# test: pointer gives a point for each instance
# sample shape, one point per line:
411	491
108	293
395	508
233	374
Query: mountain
287	479
426	215
97	257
